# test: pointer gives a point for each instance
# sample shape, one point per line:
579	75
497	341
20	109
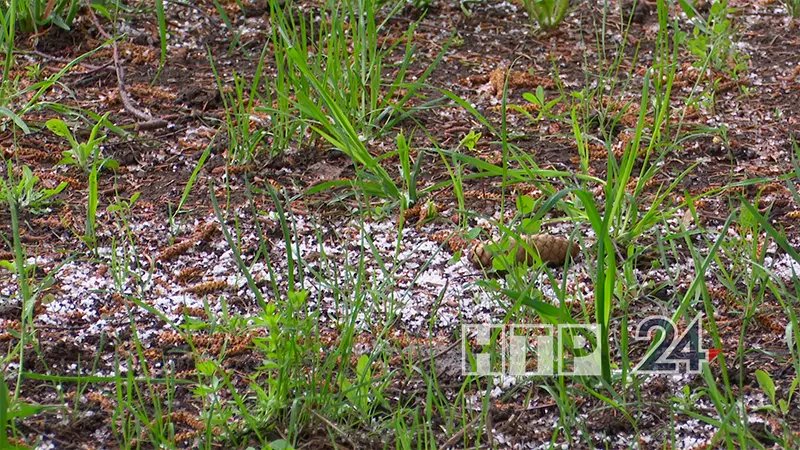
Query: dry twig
150	122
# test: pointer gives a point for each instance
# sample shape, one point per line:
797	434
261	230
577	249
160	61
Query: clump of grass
335	69
793	6
244	140
33	15
548	14
342	56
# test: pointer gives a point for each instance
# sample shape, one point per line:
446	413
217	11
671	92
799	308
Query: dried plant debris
516	80
190	274
175	250
209	287
203	233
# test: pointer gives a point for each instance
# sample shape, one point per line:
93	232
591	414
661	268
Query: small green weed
711	40
83	155
28	196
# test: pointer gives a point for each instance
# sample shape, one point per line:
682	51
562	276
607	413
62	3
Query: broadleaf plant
83	154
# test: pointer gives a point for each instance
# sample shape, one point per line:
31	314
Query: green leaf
59	22
5	404
687	8
109	163
15	118
531	98
95	129
552	103
24	410
207	368
162	36
502	262
298	298
100	9
766	383
525	204
280	444
362	366
56	190
66	160
789	396
188	188
530	226
473	233
58	127
470	140
552	312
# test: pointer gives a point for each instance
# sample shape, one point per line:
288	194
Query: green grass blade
162	35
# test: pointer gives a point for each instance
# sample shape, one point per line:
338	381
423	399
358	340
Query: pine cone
480	256
551	249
